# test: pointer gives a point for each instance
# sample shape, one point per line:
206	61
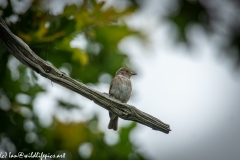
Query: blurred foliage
49	36
214	17
189	12
81	133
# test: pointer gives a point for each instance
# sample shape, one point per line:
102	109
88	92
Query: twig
24	54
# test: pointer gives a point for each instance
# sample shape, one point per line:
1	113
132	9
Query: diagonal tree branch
24	54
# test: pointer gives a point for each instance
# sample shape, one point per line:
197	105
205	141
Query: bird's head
125	72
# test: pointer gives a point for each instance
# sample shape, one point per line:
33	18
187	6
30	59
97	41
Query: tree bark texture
18	48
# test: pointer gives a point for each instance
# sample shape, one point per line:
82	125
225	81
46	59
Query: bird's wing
111	85
114	81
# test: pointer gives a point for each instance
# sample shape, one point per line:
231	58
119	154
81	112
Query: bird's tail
113	123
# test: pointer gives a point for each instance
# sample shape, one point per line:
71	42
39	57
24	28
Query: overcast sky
193	90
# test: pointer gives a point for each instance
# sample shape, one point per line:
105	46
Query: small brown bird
121	89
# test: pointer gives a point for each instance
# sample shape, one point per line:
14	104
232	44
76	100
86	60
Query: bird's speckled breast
121	88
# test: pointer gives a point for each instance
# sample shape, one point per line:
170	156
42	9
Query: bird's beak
133	73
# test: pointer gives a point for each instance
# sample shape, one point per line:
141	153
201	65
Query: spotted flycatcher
121	89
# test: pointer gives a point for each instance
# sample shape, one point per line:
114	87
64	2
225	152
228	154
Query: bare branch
24	54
